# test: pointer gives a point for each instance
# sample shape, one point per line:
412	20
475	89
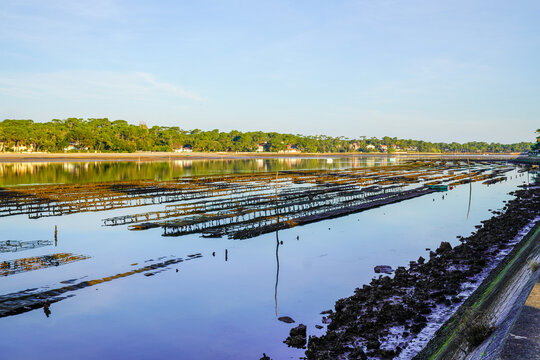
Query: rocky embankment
381	319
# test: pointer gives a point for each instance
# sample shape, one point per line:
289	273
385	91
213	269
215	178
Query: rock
46	308
286	319
357	354
383	269
265	357
444	248
326	312
373	344
319	326
297	337
416	328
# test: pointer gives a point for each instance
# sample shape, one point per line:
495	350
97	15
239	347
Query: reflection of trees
85	172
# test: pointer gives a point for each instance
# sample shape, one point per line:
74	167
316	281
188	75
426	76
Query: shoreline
497	299
166	156
397	316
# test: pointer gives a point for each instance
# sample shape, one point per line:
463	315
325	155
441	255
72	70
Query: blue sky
431	70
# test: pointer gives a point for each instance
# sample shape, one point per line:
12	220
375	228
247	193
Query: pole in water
226	255
277	271
470	189
55	235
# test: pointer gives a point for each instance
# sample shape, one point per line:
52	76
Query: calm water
213	307
102	171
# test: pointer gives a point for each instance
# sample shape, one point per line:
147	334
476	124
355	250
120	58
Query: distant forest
103	135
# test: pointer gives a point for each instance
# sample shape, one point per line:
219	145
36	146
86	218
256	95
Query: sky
429	70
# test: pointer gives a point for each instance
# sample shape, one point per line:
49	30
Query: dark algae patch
381	318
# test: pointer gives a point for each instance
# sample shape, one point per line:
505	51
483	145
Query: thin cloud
79	85
169	87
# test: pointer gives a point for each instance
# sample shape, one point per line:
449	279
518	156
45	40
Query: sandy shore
165	156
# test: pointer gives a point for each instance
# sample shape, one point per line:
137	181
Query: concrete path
523	341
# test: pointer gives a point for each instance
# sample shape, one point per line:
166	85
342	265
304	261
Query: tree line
103	135
536	147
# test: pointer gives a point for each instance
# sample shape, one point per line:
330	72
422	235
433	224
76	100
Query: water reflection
470	189
102	171
21	245
213	299
277	271
535	176
241	205
46	308
27	300
11	267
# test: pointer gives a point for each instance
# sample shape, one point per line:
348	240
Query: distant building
260	147
187	148
383	148
291	149
71	146
75	146
370	147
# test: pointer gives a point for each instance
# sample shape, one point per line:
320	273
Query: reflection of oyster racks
20	245
30	299
16	266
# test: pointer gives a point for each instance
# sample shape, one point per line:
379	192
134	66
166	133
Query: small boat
143	226
212	233
438	187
